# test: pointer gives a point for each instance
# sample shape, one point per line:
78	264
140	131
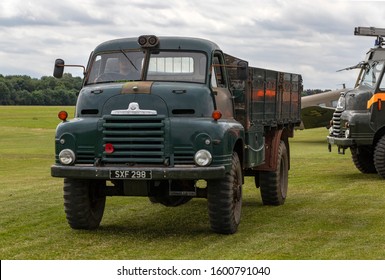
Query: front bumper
158	173
340	142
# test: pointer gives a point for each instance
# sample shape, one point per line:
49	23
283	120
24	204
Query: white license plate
131	174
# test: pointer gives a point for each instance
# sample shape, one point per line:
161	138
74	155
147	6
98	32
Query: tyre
274	184
225	200
379	157
84	203
363	159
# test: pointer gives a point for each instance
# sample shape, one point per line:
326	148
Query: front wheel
363	159
84	203
274	184
225	200
379	157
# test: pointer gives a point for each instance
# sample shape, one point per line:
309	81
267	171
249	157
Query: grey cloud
313	37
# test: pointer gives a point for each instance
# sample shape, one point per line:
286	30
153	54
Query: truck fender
272	141
379	133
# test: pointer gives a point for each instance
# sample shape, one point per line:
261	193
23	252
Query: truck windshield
116	66
177	66
162	66
371	73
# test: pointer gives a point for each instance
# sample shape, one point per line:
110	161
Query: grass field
332	211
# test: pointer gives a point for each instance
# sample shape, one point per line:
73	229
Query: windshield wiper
129	60
359	65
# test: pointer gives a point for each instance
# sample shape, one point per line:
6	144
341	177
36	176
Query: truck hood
356	99
166	98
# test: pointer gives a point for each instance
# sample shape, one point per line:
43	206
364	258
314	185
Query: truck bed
268	98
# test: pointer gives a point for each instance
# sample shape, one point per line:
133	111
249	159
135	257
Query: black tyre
363	159
225	200
84	203
379	157
274	184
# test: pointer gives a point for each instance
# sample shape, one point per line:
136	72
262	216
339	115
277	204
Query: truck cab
359	120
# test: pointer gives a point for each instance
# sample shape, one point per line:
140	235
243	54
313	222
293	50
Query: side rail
275	97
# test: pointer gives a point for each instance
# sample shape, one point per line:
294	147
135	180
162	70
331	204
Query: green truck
171	119
358	122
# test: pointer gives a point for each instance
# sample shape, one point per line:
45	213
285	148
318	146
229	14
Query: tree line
24	90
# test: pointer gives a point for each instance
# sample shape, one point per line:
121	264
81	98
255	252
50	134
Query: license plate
131	174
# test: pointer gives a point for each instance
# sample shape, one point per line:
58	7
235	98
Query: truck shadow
189	219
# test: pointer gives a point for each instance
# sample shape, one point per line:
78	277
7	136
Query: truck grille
85	154
337	132
184	155
136	139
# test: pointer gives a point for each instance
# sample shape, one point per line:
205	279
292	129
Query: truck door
220	87
376	103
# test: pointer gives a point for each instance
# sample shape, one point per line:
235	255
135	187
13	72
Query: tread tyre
379	157
225	200
84	203
363	159
274	184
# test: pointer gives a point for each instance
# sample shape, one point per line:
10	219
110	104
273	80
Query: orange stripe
375	98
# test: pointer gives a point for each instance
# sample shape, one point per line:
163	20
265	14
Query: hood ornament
133	109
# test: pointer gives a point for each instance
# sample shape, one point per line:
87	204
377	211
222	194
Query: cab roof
168	43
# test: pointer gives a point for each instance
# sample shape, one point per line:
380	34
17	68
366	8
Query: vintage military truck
359	120
173	119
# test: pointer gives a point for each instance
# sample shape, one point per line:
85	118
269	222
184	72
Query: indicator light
216	115
63	115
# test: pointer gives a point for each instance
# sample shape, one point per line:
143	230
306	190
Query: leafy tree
24	90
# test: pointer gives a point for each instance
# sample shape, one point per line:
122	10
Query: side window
95	70
382	84
223	98
218	78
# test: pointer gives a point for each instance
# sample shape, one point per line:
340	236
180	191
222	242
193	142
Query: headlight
341	103
347	133
67	157
203	158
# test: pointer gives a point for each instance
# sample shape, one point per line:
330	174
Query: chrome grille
337	132
136	139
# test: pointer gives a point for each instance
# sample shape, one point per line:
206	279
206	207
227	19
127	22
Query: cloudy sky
311	37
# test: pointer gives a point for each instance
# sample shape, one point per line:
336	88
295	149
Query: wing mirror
59	68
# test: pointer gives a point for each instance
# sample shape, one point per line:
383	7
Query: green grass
332	211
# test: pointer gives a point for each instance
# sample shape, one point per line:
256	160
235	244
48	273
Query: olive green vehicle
359	120
173	118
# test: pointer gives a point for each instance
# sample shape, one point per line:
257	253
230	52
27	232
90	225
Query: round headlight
67	157
347	133
341	103
203	158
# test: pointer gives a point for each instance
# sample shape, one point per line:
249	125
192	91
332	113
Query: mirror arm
74	65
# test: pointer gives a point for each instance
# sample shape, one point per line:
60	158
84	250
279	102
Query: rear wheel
225	200
363	159
274	184
84	203
379	157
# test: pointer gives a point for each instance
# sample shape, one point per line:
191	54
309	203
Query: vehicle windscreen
162	66
177	66
371	73
116	66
